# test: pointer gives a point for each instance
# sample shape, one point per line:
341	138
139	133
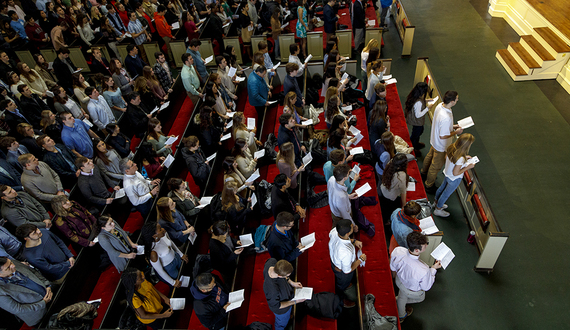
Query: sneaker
441	213
409	311
434	204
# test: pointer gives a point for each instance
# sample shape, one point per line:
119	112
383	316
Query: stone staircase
538	56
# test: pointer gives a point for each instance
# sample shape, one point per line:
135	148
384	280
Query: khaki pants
406	296
433	163
167	42
193	98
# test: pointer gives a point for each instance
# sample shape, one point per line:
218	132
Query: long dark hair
378	111
418	93
219	228
148	230
205	118
129	280
237	150
99	154
335	139
337	121
210	89
231	59
228	165
332	108
398	164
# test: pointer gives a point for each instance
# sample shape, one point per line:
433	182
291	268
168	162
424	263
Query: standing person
302	26
137	115
281	242
294	50
338	157
373	43
394	185
378	121
73	220
108	160
455	166
339	199
42	69
24	292
115	20
291	85
76	135
286	163
133	62
404	221
164	30
330	18
116	242
342	250
20	208
199	65
210	301
149	304
359	22
94	185
258	92
413	276
46	252
374	74
224	250
162	72
196	161
442	130
165	257
279	290
173	221
60	159
121	77
99	63
99	110
247	28
190	79
113	96
36	34
282	200
63	69
119	141
385	6
157	138
276	30
139	33
185	201
32	79
140	191
287	133
39	179
415	112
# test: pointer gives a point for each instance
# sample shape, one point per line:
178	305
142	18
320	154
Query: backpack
78	316
373	320
263	191
269	147
260	238
379	149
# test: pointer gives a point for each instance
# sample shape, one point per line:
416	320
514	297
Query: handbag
373	320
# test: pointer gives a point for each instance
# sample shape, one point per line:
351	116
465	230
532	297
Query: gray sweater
114	247
30	211
93	187
43	186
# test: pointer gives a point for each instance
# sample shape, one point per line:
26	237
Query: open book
177	304
303	293
253	176
466	122
235	299
428	226
204	201
444	254
307	159
472	160
363	190
355	170
245	240
308	241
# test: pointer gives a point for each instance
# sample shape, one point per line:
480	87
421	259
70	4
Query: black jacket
57	161
63	73
282	202
33	147
209	139
137	119
196	163
121	144
98	67
13	120
330	19
282	246
223	259
13	179
32	108
286	135
5	68
134	65
209	307
358	15
93	187
291	85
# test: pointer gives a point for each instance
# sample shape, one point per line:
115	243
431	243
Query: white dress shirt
414	274
295	59
338	199
166	250
100	112
137	188
342	252
442	125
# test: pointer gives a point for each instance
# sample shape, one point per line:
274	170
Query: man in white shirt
442	131
139	190
99	111
294	49
342	250
339	199
413	276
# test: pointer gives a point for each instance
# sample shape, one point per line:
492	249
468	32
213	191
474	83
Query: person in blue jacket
258	91
330	18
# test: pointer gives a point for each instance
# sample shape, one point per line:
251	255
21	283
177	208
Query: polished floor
522	133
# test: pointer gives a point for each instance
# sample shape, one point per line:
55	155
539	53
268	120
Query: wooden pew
405	29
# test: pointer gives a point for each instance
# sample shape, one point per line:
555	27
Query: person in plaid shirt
162	72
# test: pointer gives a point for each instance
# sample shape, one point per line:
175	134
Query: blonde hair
460	147
371	43
163	210
330	92
229	196
239	123
290	104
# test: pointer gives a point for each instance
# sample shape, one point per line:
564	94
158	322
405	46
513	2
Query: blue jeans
172	268
281	320
445	190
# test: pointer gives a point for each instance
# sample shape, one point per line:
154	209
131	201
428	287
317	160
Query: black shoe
420	145
431	190
418	153
424	176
